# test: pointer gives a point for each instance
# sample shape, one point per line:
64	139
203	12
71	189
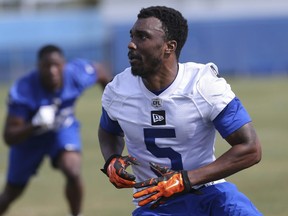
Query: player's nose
131	45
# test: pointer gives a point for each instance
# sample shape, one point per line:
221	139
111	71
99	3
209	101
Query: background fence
240	45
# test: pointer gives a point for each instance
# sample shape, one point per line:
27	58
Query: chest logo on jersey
158	117
156	102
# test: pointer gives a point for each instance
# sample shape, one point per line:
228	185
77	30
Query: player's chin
137	71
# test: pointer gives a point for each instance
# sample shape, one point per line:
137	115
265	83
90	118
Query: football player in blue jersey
167	114
41	122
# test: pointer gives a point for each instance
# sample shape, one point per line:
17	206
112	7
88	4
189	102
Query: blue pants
25	158
221	199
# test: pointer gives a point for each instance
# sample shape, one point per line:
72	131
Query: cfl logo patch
158	117
156	102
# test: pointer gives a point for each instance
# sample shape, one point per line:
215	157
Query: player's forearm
245	151
17	134
228	164
110	144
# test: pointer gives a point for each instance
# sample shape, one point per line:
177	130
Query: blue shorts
221	199
25	158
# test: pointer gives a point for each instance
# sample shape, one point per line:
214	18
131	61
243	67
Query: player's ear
171	47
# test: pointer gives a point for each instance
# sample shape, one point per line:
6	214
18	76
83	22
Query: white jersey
174	128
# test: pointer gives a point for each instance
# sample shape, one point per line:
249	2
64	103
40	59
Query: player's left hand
171	183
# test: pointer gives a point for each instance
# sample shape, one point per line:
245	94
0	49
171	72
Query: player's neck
161	80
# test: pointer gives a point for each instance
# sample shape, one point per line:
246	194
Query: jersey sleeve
18	103
215	92
231	118
109	125
83	73
111	101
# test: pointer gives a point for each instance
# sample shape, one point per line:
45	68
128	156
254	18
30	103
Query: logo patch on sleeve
158	117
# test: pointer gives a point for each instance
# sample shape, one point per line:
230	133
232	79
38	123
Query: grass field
265	184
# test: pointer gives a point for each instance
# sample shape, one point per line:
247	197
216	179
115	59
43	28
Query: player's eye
143	37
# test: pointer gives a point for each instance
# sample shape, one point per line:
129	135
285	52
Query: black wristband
104	169
187	184
186	181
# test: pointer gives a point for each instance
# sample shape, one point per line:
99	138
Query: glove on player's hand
115	169
45	118
171	183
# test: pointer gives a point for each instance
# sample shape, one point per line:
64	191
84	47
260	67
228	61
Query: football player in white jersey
167	114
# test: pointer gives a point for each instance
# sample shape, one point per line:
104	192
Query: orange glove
115	169
171	183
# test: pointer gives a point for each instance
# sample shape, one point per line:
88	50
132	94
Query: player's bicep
244	134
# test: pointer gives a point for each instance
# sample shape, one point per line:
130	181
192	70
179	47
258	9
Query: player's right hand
115	169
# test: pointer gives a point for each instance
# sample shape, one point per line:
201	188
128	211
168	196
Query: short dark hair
174	24
48	49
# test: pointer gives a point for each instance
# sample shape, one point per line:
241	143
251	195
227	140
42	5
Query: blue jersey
25	98
27	94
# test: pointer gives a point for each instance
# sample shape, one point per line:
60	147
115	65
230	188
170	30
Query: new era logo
158	117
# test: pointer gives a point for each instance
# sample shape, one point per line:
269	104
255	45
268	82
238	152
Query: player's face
146	48
51	71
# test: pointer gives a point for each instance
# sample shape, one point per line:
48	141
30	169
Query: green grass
265	184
